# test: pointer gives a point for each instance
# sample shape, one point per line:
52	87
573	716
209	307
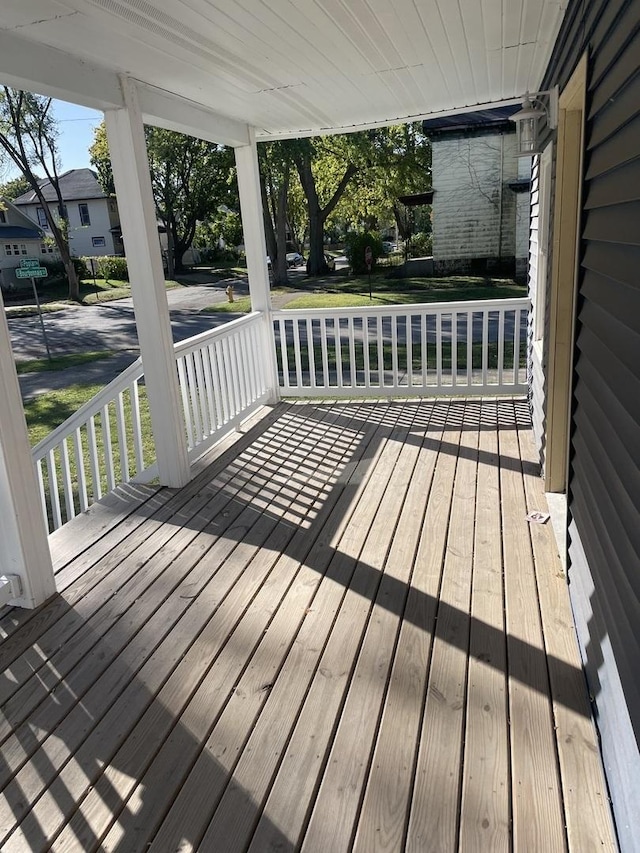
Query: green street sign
32	272
29	263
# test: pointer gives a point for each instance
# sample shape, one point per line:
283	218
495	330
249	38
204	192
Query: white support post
255	248
127	146
24	548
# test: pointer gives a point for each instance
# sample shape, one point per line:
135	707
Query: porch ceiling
286	67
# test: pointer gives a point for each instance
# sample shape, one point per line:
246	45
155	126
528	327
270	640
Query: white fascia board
56	74
162	109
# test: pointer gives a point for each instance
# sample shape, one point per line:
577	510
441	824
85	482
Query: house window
16	249
3	217
7	248
42	217
83	209
97	242
46	249
23	249
62	212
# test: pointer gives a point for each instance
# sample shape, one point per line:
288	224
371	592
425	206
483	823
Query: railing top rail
410	308
91	407
194	343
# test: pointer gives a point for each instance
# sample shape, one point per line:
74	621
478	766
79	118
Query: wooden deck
342	635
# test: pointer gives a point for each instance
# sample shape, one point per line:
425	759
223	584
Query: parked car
294	259
388	247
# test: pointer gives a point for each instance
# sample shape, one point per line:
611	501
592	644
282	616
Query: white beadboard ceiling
284	67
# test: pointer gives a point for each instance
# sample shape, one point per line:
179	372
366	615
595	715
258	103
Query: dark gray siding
604	491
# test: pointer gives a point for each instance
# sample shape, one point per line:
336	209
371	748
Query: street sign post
30	268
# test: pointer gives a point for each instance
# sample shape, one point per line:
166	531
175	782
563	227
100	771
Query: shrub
421	245
355	244
113	267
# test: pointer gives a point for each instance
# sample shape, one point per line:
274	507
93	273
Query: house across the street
19	238
94	224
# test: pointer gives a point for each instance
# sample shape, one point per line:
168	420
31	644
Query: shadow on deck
342	635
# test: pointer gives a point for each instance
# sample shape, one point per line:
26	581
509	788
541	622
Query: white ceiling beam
51	72
161	109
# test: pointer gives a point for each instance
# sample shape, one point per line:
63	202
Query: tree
15	187
28	135
190	178
325	166
275	180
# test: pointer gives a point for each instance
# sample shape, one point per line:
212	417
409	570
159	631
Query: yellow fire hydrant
229	292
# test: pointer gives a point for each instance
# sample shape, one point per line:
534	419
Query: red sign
368	256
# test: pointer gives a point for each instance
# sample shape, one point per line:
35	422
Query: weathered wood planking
433	821
342	636
538	821
584	790
485	805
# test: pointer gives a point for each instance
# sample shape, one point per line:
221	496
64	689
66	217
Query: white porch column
24	548
255	247
127	146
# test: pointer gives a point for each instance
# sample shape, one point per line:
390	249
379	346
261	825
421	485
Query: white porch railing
445	348
222	380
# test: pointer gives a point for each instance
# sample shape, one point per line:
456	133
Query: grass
355	291
60	362
242	305
54	296
43	414
401	349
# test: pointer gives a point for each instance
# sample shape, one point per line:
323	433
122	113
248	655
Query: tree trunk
280	276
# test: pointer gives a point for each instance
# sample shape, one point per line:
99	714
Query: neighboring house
94	224
481	195
19	238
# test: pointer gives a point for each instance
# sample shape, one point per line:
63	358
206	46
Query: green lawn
60	362
46	412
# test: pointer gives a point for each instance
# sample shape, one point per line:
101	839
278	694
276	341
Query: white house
481	194
94	224
19	238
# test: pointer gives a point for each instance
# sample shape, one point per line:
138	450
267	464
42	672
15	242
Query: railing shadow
101	740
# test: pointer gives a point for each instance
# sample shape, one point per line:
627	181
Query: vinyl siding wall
604	484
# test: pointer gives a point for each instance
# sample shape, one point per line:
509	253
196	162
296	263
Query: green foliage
356	243
420	245
14	188
56	268
112	268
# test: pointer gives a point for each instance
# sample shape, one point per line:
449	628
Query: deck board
341	635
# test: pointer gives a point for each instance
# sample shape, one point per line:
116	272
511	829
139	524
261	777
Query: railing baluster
352	351
438	350
338	339
500	345
454	349
379	340
107	444
395	381
96	480
65	471
366	353
122	439
424	349
284	353
485	347
54	495
186	404
193	397
469	348
138	451
311	353
409	337
516	344
43	497
325	353
201	396
83	501
297	353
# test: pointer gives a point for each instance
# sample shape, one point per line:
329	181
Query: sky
76	126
